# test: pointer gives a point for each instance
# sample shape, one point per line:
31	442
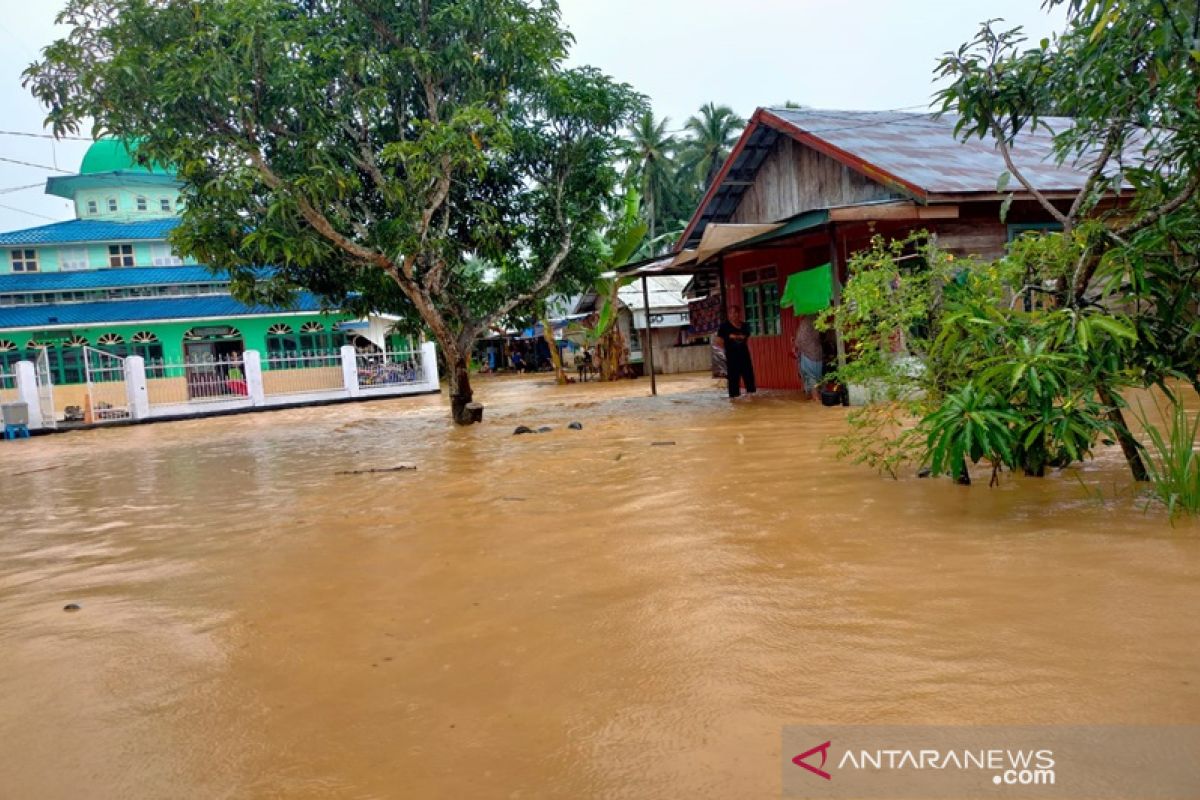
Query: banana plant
602	333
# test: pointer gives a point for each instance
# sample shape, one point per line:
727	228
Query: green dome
113	155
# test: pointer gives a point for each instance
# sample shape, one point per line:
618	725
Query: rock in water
71	607
545	429
575	426
522	429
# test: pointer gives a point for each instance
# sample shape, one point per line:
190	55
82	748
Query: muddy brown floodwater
573	614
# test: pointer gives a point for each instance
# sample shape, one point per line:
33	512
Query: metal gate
107	400
45	387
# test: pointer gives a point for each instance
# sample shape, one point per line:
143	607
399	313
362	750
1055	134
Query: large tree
648	152
1126	74
369	150
711	134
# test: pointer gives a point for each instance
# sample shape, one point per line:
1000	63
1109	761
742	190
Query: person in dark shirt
734	334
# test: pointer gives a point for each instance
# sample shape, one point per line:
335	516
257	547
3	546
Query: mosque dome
113	155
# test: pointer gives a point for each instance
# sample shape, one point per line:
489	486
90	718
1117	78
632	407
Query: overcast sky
836	54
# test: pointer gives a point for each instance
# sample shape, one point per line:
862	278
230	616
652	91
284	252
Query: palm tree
711	135
648	155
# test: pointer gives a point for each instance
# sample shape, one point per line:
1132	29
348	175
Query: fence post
27	391
135	387
252	366
430	365
350	370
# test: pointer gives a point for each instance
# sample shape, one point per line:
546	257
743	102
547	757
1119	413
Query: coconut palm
711	134
649	158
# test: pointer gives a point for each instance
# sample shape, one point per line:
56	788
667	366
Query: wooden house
804	188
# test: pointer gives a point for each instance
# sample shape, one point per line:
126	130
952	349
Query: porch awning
718	237
808	291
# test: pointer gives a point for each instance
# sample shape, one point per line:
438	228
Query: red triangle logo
823	749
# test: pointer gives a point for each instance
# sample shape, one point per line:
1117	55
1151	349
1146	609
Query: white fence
8	386
390	369
107	400
135	389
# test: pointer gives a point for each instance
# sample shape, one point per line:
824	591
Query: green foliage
711	134
366	149
959	372
1174	464
1126	75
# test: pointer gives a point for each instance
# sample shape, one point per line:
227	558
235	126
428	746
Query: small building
674	349
806	188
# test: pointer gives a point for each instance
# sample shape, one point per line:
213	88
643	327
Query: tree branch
1169	207
1006	154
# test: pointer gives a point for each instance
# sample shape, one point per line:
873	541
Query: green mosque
109	279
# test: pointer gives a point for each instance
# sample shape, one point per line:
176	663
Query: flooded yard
581	614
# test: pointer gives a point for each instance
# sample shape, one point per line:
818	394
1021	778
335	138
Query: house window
313	337
147	345
1015	231
24	260
161	255
120	255
112	204
281	341
164	203
70	258
93	207
9	355
141	204
112	343
760	298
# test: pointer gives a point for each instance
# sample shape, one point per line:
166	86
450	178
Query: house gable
795	178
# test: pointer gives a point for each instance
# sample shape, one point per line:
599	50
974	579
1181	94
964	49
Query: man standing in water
733	335
810	355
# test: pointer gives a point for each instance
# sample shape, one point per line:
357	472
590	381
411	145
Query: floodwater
579	614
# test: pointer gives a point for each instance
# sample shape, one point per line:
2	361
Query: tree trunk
1129	445
460	389
609	351
560	376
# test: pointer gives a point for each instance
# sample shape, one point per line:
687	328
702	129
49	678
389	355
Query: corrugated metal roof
666	291
90	230
124	311
914	154
921	150
106	279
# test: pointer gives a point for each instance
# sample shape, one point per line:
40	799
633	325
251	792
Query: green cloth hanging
809	291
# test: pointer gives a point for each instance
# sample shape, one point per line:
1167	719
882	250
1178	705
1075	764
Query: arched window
147	345
76	341
112	204
93	207
141	203
212	334
164	203
112	343
281	340
9	355
314	338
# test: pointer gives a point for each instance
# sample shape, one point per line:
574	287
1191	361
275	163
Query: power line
11	189
37	166
30	213
45	136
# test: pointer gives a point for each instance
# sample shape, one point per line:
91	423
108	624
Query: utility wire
37	166
45	136
30	213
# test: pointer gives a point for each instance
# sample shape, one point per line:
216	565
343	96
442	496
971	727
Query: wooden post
648	343
835	267
721	279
